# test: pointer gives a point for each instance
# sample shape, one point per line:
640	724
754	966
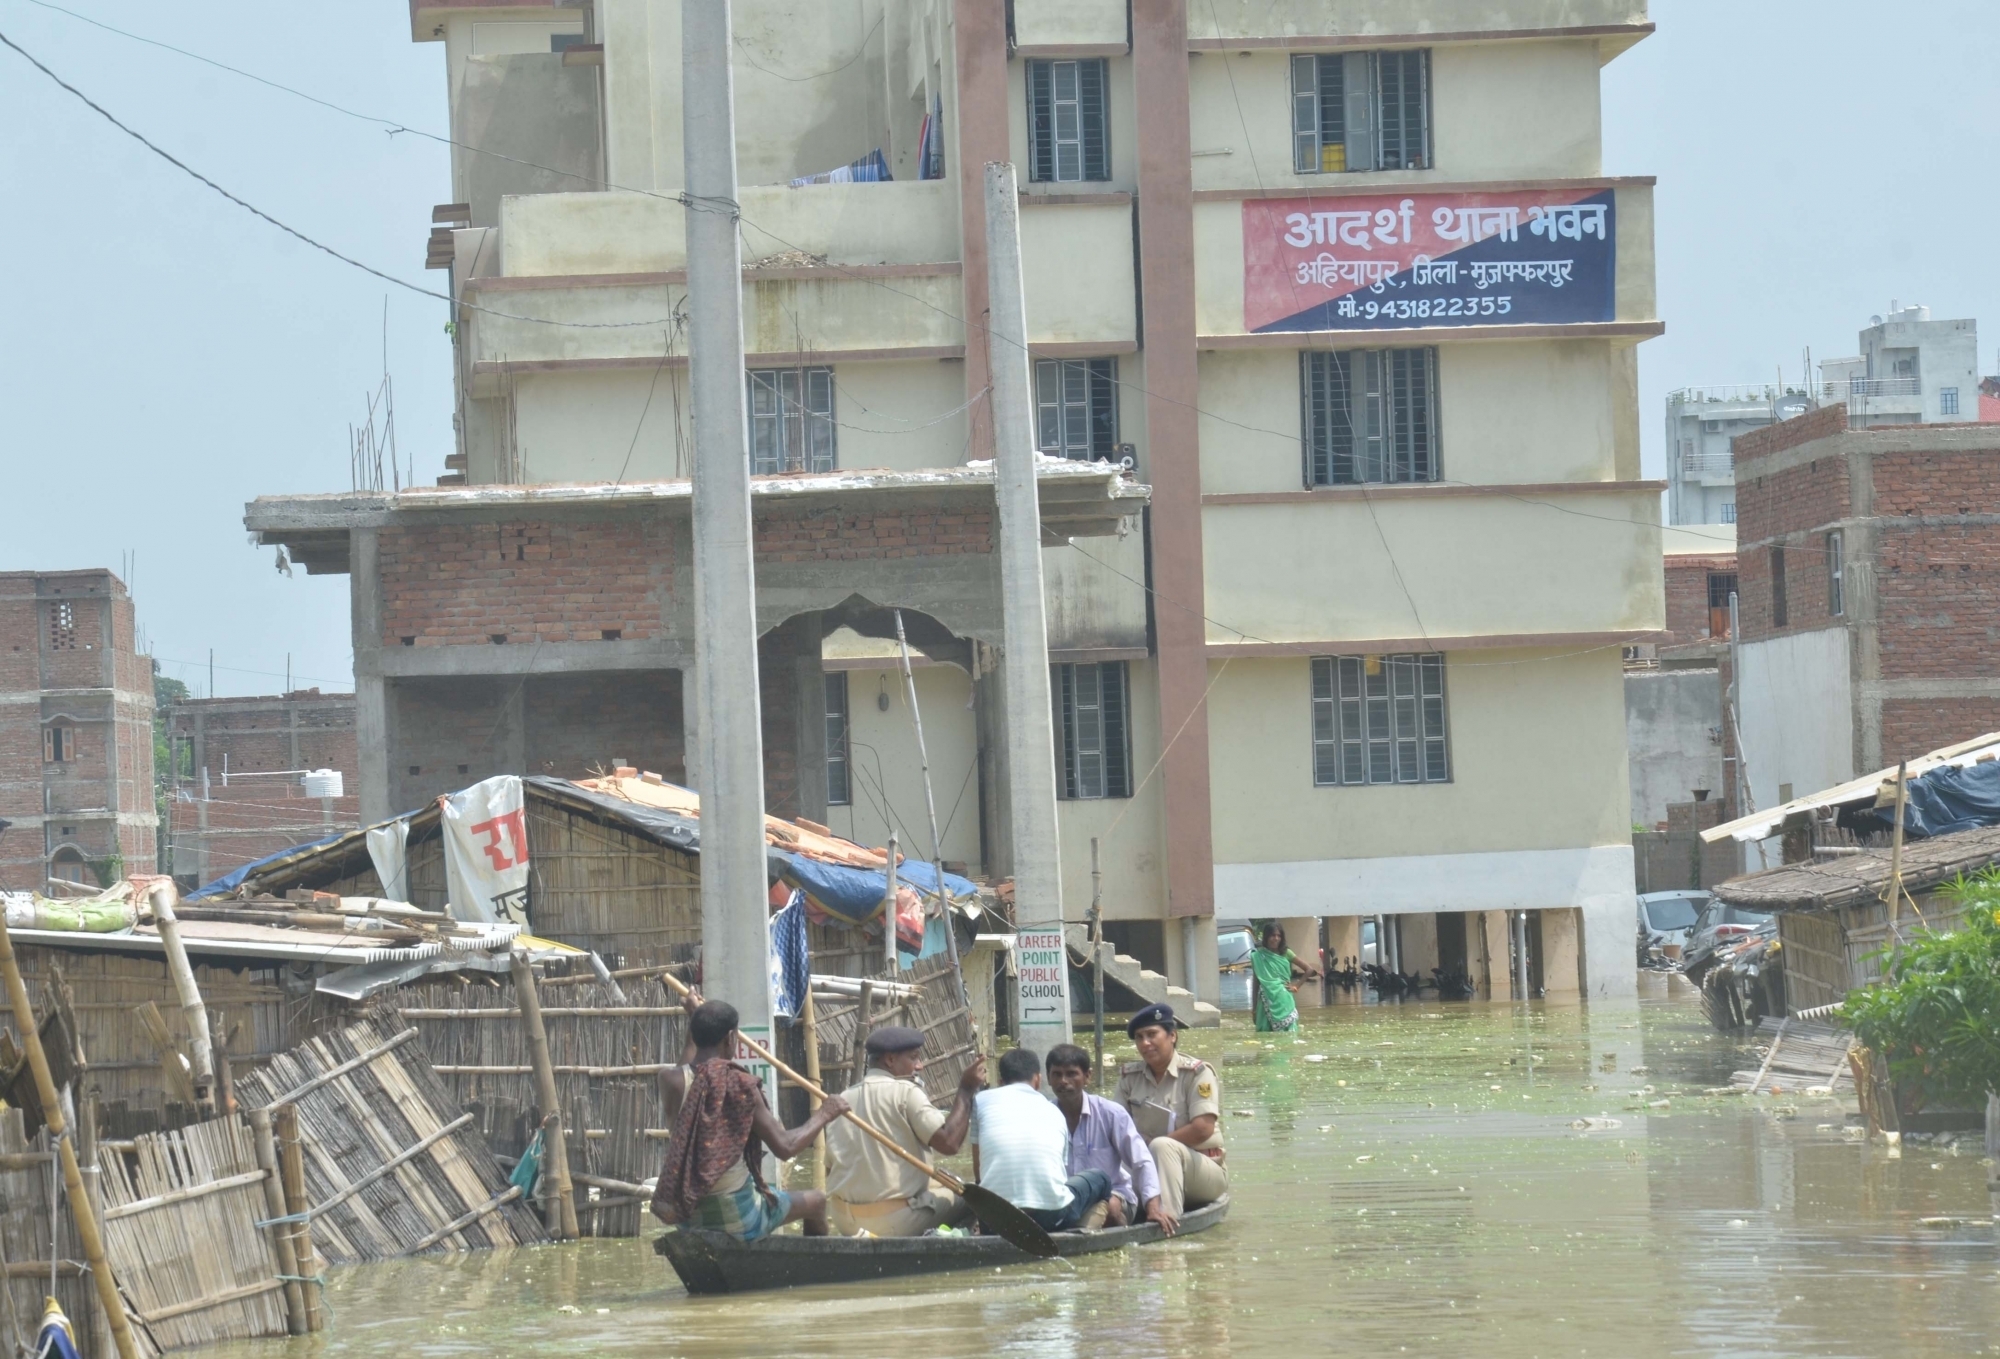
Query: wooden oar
1006	1219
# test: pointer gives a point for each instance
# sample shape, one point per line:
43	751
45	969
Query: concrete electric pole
1042	993
734	893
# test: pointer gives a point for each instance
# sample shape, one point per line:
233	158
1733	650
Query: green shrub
1935	1015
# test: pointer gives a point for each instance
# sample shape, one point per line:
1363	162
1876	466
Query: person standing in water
1278	972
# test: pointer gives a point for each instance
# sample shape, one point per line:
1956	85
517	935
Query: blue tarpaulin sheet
855	894
1940	802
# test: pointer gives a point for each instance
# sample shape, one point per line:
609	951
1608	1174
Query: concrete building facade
76	731
1867	561
1360	656
250	778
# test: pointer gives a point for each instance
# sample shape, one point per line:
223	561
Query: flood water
1406	1179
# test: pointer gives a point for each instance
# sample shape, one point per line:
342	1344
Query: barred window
791	420
1093	749
1361	111
1067	128
1836	573
1077	408
839	767
1370	415
1379	719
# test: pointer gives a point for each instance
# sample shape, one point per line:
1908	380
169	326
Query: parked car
1717	924
1232	953
1669	917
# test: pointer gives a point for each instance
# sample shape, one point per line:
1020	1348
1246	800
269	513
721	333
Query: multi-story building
253	776
1911	371
76	731
1677	735
1866	560
1345	283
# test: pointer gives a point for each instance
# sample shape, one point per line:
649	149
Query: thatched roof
1854	879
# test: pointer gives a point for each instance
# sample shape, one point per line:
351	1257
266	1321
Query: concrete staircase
1148	986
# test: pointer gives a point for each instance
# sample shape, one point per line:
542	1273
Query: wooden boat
710	1262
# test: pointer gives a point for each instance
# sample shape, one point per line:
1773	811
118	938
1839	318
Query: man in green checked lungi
711	1178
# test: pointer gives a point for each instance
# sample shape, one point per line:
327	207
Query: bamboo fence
936	1010
180	1229
392	1166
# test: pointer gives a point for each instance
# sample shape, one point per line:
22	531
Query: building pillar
1562	952
979	47
371	690
1497	957
1171	459
1419	943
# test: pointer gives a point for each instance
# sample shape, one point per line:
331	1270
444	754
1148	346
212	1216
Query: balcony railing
1843	389
1737	393
1707	467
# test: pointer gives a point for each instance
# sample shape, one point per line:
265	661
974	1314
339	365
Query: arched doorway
67	865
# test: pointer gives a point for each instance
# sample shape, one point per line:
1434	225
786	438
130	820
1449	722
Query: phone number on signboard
1423	308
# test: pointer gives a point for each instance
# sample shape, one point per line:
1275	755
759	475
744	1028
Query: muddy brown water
1408	1179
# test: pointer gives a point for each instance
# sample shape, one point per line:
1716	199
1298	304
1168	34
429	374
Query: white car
1670	917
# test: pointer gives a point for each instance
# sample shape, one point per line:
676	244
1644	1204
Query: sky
165	357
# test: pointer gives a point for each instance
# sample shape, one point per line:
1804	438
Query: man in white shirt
1020	1149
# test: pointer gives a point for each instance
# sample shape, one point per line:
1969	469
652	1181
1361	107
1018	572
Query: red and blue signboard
1406	261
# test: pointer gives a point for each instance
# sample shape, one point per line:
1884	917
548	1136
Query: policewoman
1176	1102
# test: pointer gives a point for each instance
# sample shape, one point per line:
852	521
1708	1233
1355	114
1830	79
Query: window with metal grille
1778	609
1947	401
1361	111
839	767
1093	746
1379	719
1077	408
1068	138
62	626
1728	511
1836	573
1721	585
791	420
1370	415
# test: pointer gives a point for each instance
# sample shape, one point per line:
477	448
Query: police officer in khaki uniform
869	1189
1176	1102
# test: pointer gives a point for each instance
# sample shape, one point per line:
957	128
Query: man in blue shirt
1103	1137
1020	1149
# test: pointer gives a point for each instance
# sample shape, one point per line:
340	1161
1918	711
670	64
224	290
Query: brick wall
1912	727
1789	509
256	734
526	581
868	535
579	724
1788	434
1687	595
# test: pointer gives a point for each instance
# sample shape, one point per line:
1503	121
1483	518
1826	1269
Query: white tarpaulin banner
486	851
388	850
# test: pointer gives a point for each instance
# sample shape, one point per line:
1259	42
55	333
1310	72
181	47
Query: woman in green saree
1276	968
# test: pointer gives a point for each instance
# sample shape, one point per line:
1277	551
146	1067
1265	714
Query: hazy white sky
165	357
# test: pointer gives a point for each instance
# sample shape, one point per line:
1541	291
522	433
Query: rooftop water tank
323	783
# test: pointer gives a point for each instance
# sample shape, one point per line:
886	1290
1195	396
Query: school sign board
1404	261
1041	988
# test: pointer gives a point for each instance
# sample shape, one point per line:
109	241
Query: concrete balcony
1230	24
1412	567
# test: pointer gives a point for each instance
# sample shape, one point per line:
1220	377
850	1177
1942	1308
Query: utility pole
1043	1017
735	932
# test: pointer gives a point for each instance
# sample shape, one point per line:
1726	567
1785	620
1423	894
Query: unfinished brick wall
795	535
579	725
1785	434
1912	727
1687	595
524	582
1790	509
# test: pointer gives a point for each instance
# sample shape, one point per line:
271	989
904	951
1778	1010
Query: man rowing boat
868	1187
712	1177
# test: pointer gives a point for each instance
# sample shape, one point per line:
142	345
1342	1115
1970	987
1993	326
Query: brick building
243	785
1869	568
76	730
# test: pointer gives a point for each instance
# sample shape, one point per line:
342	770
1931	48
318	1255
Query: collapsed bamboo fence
180	1229
936	1010
392	1165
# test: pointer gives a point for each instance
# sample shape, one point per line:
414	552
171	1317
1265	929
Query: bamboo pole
80	1208
292	1177
810	1018
1896	871
1096	957
863	1017
274	1206
561	1210
889	912
201	1046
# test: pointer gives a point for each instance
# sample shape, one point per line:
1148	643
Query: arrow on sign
1041	1010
